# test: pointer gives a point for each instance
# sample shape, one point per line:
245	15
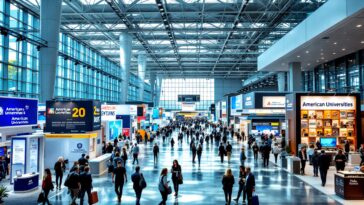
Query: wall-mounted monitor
328	142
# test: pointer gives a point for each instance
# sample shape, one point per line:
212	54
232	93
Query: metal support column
142	63
295	77
281	78
50	20
125	58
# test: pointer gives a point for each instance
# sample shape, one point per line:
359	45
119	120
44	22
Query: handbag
94	197
67	181
142	182
180	179
169	190
41	197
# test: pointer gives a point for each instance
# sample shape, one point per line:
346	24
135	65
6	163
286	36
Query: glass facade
341	75
82	72
171	88
19	66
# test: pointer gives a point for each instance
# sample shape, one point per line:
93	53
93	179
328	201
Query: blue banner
18	112
126	120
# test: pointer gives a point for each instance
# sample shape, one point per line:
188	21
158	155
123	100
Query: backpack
142	182
67	181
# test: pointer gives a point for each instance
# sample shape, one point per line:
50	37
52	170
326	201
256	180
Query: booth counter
98	166
26	182
349	185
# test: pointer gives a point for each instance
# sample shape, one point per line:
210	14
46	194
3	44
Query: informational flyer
18	151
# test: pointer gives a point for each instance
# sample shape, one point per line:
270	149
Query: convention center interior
182	102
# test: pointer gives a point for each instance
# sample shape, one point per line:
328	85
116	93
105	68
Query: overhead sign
188	98
248	101
110	112
274	101
328	103
73	116
18	112
237	102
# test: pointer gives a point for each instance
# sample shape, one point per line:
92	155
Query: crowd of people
198	132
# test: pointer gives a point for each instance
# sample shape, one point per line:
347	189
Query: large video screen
18	112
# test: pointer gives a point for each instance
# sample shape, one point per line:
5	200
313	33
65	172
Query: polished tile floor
202	184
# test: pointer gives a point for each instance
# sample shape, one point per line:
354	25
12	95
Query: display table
349	185
354	158
26	182
98	166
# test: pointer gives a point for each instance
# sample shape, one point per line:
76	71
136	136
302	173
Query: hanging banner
18	112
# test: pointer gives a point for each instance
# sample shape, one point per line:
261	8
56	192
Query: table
349	185
26	182
99	165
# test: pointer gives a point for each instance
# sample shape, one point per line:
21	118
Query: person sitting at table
340	160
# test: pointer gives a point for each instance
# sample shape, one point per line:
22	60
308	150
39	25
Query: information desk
26	182
349	185
99	165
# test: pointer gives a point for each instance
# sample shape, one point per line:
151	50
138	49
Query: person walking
137	178
242	156
135	153
361	152
249	185
199	154
310	151
176	176
347	148
47	185
119	178
255	151
82	161
221	152
163	186
276	151
194	152
227	185
324	165
315	162
155	152
172	143
266	153
74	184
124	156
303	156
229	149
59	168
86	185
242	176
340	160
117	159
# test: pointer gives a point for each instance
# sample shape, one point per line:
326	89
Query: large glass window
171	88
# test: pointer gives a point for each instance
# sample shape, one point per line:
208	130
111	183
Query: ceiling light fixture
335	43
362	42
359	25
344	49
307	52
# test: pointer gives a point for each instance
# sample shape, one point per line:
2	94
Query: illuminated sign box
73	116
18	112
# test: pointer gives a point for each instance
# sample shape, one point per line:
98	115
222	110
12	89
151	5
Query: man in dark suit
86	185
249	184
303	156
324	164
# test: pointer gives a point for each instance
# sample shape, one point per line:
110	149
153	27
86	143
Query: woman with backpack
138	184
163	186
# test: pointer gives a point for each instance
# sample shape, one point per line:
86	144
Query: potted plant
4	192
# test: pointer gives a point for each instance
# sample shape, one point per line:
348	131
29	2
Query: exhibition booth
116	120
72	129
259	113
329	118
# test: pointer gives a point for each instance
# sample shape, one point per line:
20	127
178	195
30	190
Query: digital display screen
328	142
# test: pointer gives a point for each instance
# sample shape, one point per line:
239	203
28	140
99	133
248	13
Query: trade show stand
98	166
349	185
26	182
